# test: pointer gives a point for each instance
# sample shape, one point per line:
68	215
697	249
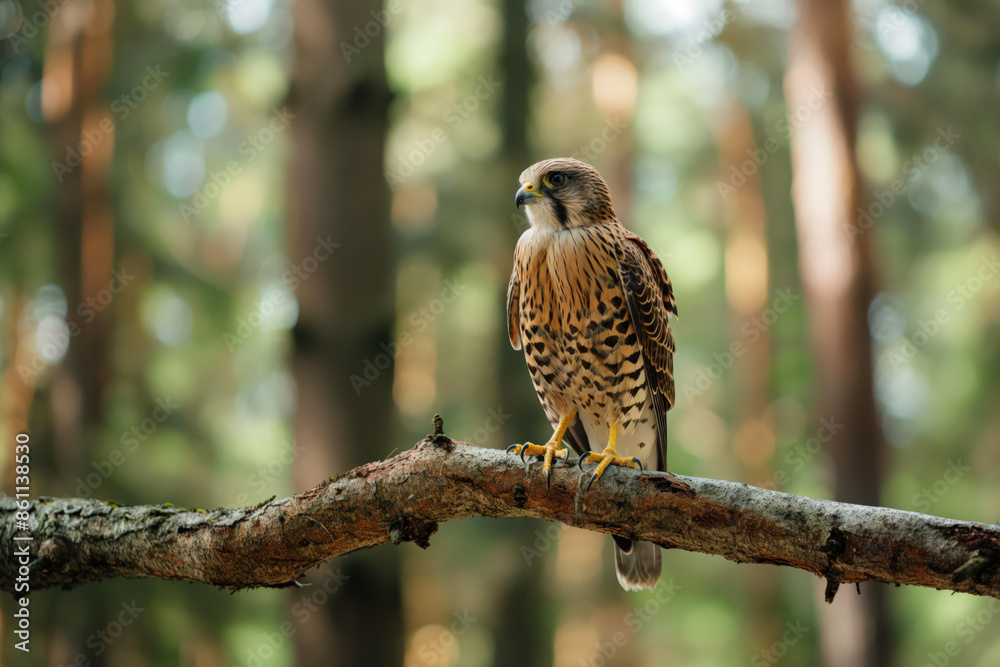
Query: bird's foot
548	452
607	458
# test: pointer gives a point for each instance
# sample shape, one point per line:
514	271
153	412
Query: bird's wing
650	300
513	309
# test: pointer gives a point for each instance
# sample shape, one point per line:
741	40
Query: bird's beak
526	194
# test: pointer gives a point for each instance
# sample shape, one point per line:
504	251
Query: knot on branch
520	495
438	437
984	561
832	585
55	554
981	566
410	529
834	546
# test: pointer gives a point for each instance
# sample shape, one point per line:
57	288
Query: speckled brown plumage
589	303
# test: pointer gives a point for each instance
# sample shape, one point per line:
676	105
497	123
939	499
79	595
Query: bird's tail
637	564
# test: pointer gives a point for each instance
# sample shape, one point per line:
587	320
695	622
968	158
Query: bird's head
563	193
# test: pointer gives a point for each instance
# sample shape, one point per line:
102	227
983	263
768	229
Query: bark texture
403	499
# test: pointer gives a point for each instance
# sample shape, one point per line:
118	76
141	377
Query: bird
589	304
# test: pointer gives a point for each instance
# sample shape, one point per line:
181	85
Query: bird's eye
555	180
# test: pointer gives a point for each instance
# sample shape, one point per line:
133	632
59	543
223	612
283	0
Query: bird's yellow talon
607	458
550	451
553	449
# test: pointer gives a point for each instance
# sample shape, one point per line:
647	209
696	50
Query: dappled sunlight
614	84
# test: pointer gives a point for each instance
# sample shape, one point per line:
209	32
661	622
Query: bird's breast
568	276
577	335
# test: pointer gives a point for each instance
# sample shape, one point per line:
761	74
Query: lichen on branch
404	498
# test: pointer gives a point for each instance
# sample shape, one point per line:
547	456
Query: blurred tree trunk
747	289
338	194
838	279
614	88
516	393
522	605
76	69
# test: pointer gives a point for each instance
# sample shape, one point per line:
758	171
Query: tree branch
402	499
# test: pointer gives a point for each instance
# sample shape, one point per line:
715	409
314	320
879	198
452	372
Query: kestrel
589	303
